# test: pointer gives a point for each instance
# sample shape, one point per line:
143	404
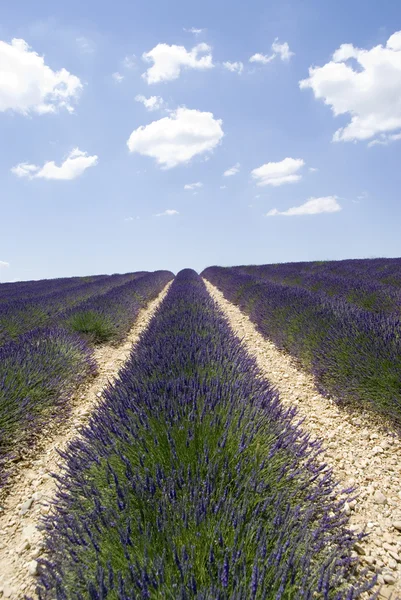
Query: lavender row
193	482
37	376
23	290
355	355
20	316
109	317
371	284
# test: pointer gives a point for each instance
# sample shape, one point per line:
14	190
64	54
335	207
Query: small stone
33	567
359	548
99	394
397	525
29	532
26	506
8	591
347	509
377	450
389	578
395	555
37	496
379	498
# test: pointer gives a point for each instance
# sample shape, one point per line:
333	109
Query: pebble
359	548
397	525
379	498
33	567
26	506
388	578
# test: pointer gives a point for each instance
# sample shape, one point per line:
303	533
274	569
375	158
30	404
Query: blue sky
93	181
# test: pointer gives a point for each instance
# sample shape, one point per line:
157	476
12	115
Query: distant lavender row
354	354
37	376
192	481
371	284
110	316
20	316
22	290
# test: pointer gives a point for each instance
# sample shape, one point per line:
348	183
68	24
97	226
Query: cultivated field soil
362	449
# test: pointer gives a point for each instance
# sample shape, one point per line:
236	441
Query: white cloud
194	30
176	139
118	78
74	165
169	60
234	67
27	85
313	169
233	171
152	103
283	50
262	58
4	265
129	219
313	206
170	212
369	95
223	187
193	186
129	62
278	173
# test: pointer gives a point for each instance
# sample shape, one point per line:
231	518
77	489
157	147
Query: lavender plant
110	316
354	354
18	316
37	375
193	482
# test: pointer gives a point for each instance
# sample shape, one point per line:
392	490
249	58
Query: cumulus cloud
233	171
118	78
234	67
4	264
170	212
193	186
281	50
74	165
169	60
262	58
278	173
313	169
28	85
313	206
369	94
176	139
152	103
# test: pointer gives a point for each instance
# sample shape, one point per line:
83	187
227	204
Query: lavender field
191	479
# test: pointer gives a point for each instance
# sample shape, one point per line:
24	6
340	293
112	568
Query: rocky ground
32	487
361	450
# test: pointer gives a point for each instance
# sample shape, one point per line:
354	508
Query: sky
164	135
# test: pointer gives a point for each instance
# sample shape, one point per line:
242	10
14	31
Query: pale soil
20	540
361	451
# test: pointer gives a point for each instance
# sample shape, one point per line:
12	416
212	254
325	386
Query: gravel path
32	488
358	448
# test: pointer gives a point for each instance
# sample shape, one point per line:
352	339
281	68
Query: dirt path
357	447
32	486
